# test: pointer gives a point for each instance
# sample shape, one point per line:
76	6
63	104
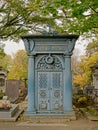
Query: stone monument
49	74
95	75
3	78
15	90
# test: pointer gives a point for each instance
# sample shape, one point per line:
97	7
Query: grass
90	110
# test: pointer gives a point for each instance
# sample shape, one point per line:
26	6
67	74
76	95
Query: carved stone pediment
49	63
49	44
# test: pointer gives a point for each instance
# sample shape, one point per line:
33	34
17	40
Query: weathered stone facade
49	74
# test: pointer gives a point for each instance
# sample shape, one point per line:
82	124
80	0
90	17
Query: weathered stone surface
11	114
49	74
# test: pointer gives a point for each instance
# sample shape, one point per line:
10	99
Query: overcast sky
12	47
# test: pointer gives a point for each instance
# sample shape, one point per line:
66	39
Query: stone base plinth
49	118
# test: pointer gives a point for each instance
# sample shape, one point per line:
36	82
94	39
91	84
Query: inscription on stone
49	48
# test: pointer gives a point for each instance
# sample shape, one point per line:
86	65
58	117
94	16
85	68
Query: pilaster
67	84
31	85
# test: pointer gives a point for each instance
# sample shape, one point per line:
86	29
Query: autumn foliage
19	66
84	76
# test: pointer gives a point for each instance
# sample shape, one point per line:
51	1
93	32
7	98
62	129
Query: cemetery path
80	124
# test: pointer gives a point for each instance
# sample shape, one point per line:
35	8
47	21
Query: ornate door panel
43	93
57	91
49	84
50	91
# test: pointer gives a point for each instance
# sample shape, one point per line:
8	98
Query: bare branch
93	9
14	31
8	16
2	7
4	35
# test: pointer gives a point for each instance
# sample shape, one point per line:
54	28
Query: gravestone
3	78
95	75
15	89
12	90
95	83
49	74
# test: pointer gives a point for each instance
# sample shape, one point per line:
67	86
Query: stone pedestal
12	114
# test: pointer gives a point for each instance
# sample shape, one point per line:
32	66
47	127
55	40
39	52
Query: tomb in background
15	90
3	78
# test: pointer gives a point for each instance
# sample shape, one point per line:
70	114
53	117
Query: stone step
49	119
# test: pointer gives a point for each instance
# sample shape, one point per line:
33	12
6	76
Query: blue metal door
56	91
49	84
50	89
43	91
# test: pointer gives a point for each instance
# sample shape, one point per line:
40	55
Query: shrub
1	95
80	100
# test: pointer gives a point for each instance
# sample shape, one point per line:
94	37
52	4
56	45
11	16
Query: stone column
31	85
68	84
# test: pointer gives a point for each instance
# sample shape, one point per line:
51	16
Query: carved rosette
43	94
49	59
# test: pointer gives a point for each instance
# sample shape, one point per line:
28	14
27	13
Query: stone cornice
61	44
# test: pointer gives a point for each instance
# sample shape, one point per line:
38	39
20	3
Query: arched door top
49	63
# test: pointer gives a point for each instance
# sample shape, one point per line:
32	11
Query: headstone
15	90
12	90
95	75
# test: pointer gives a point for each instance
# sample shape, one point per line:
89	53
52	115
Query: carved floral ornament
49	63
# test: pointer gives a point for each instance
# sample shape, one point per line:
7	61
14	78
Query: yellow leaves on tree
91	61
18	69
85	77
78	80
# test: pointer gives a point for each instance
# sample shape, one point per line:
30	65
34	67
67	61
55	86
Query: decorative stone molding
29	45
53	63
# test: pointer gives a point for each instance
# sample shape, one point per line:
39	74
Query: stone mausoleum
49	74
